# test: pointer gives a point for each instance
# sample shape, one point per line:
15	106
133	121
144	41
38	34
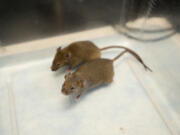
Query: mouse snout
65	92
53	68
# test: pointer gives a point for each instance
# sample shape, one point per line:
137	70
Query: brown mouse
89	75
80	52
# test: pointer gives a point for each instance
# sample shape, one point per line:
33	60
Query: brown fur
89	75
83	51
78	52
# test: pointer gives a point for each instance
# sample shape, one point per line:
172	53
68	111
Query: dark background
23	20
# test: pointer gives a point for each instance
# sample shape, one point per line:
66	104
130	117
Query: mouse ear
82	83
68	55
58	49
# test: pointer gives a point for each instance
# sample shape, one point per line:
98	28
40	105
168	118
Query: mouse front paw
78	96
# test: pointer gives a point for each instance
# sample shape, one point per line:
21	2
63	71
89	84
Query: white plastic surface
32	104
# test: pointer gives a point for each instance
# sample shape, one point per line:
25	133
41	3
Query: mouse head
72	84
61	59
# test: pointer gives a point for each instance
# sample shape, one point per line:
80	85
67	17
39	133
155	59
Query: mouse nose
64	92
53	68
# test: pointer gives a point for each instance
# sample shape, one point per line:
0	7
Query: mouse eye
58	64
72	88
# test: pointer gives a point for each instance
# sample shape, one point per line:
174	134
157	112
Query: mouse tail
117	57
135	55
113	46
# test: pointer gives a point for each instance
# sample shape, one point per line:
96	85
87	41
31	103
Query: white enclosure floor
136	103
